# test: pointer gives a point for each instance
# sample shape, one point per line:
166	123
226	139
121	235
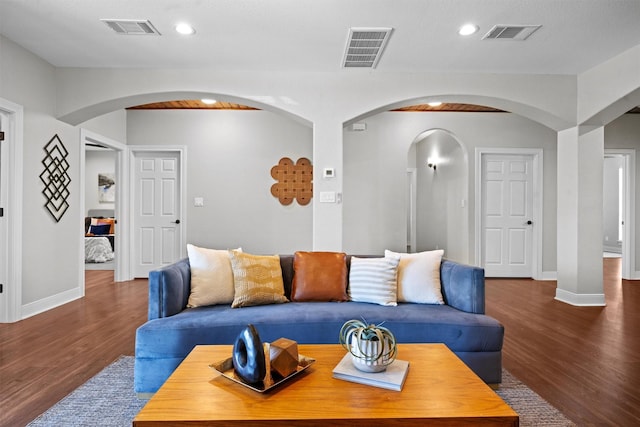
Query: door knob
177	221
529	222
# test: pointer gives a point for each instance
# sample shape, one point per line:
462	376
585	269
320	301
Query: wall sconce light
431	162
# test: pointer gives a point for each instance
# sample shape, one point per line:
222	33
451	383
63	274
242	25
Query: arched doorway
441	167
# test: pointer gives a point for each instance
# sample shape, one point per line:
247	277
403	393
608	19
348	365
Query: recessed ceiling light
468	29
434	104
185	29
208	101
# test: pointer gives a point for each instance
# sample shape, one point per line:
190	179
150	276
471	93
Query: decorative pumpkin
372	347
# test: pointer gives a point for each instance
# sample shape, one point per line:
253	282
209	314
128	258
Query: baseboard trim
48	303
549	275
580	300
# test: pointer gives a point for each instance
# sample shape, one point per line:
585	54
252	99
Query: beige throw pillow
211	276
257	280
419	276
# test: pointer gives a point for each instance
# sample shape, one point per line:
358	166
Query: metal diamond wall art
55	178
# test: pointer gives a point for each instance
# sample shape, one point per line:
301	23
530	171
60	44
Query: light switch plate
198	202
327	197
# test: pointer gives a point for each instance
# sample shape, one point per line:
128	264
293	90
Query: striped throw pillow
373	280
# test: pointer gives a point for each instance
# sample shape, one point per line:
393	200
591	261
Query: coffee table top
440	390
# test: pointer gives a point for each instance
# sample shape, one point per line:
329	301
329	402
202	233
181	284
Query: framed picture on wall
106	187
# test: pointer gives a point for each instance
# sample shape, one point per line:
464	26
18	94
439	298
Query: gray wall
441	219
624	132
229	158
375	163
374	167
29	81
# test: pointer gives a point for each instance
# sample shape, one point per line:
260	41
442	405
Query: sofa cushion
211	276
257	280
317	323
373	280
419	276
319	276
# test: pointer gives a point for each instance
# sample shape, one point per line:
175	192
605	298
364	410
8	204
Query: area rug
108	400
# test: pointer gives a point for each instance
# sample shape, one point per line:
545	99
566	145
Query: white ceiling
310	35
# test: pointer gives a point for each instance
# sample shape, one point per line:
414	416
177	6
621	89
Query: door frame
11	302
536	155
182	161
628	239
121	262
412	196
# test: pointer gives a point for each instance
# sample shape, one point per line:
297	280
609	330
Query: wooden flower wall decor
294	181
55	178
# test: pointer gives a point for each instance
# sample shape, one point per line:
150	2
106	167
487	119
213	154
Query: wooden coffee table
440	390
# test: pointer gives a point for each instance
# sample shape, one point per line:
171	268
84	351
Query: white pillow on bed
211	276
419	276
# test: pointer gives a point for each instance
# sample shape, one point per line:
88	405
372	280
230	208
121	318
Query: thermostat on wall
328	173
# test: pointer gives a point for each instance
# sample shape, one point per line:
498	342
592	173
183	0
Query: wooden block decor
294	181
283	353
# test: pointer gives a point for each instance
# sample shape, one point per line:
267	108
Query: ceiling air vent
511	32
132	26
365	46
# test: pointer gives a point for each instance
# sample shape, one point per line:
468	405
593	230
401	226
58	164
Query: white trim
412	174
580	300
629	238
549	275
50	302
11	309
122	270
182	151
536	244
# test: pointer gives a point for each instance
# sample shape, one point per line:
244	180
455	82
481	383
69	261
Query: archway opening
441	194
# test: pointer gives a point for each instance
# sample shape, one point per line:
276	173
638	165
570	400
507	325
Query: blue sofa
173	329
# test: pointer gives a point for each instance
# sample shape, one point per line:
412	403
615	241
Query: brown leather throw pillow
319	276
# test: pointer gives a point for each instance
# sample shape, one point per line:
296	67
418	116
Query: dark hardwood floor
584	360
45	357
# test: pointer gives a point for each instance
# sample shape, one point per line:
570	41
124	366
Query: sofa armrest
169	289
462	286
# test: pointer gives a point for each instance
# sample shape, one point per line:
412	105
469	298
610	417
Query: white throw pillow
373	280
211	276
419	276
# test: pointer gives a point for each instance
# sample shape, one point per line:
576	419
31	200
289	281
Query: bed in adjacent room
99	240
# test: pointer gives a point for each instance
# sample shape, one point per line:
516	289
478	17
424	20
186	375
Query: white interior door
507	215
156	202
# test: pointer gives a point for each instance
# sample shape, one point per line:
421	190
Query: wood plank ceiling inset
450	107
221	105
191	104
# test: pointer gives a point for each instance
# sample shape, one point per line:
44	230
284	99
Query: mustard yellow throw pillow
257	279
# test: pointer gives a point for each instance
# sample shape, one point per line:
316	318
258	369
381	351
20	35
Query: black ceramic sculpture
248	356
